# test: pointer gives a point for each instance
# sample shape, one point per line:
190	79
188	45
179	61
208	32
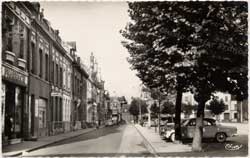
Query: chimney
36	5
72	44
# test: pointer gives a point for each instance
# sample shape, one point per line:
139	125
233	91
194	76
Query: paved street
108	141
125	140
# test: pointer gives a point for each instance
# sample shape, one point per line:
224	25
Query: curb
148	145
45	145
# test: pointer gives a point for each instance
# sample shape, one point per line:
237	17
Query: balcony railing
21	63
10	56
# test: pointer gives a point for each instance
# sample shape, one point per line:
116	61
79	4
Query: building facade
116	108
79	89
44	83
67	89
16	24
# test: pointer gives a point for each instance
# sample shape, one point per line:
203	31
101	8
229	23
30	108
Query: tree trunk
197	140
177	120
159	117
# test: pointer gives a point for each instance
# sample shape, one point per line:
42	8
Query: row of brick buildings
46	87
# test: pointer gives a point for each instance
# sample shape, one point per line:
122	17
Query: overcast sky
95	27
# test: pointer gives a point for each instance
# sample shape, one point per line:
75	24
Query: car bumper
168	134
234	135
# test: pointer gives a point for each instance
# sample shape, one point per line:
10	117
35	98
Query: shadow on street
142	154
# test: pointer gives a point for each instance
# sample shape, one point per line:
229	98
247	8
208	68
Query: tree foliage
216	106
196	46
135	106
168	108
155	109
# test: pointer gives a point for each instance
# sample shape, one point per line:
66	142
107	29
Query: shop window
42	113
32	104
18	109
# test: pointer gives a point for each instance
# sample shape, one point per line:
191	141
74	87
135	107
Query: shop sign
14	76
56	94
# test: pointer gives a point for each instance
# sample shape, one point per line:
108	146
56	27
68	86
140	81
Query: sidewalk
157	144
27	146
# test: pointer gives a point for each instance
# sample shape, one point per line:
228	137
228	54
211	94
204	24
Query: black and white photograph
138	78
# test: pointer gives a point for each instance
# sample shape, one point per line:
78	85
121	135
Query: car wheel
220	137
172	137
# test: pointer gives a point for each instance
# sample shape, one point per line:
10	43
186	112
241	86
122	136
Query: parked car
109	123
210	130
169	123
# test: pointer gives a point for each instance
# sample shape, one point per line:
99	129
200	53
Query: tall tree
134	109
220	61
136	106
216	106
155	110
165	69
196	45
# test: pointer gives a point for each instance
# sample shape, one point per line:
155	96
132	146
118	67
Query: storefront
39	92
14	83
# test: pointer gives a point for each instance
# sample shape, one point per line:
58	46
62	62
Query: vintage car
210	130
109	123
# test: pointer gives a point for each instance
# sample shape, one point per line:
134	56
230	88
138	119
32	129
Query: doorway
14	98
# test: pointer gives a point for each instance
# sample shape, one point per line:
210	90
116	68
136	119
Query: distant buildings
46	88
236	111
116	109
